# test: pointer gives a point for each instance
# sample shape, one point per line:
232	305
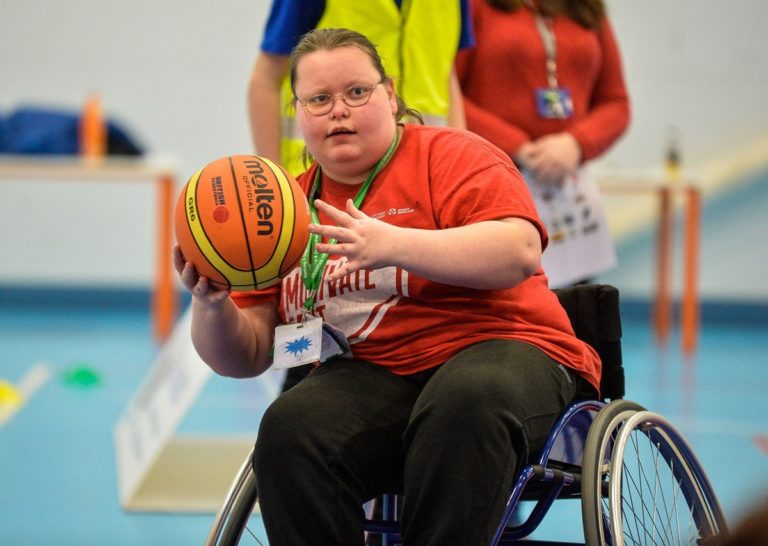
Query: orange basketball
242	221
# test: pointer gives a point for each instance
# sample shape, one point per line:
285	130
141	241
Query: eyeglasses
357	95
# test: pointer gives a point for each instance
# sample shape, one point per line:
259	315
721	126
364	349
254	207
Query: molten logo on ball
264	197
242	221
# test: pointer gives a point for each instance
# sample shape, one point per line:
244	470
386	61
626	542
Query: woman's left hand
365	242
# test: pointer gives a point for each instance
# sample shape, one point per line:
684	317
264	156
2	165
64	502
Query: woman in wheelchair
456	358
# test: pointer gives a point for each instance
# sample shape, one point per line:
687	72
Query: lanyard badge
554	102
298	343
307	342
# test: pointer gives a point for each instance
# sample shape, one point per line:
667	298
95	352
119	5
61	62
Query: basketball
242	222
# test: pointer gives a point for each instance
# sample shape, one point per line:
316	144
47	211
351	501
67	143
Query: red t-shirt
500	75
437	179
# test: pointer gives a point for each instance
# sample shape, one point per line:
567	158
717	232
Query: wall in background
698	67
175	74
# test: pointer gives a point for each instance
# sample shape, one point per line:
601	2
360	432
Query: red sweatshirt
500	75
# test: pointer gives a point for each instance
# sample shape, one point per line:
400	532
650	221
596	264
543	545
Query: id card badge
298	343
554	102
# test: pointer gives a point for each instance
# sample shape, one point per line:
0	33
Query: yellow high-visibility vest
417	44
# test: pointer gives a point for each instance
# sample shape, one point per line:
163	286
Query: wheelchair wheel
657	491
655	460
232	518
595	471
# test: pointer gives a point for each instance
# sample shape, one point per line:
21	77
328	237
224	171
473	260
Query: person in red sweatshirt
545	84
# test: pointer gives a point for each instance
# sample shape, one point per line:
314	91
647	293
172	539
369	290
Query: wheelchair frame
584	457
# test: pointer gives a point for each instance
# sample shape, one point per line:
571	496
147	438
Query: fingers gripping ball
242	221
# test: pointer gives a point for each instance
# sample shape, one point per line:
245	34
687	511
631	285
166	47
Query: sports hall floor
90	351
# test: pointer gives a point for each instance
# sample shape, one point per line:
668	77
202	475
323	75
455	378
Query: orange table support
164	302
690	310
666	194
75	169
662	311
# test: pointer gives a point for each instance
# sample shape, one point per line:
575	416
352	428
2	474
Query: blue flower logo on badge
298	345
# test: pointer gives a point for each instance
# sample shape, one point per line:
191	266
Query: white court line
27	386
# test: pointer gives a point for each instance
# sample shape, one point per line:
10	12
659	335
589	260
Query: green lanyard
312	269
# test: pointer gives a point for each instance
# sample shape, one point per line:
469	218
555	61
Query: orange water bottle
93	131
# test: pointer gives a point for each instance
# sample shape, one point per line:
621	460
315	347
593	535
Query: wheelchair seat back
594	312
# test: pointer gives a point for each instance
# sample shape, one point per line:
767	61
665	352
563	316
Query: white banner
149	422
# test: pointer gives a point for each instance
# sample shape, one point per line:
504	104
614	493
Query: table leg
165	297
662	313
689	313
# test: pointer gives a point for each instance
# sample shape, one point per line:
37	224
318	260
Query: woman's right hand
197	285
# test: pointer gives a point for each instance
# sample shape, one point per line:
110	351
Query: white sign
152	416
580	244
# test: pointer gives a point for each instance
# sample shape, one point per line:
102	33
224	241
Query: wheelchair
637	479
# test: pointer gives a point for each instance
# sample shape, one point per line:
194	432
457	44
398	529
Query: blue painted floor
57	470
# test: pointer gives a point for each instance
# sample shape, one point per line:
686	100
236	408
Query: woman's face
348	140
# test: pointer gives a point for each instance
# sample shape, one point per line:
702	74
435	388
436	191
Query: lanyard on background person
312	261
553	101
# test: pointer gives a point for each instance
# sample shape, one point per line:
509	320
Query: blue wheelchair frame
544	481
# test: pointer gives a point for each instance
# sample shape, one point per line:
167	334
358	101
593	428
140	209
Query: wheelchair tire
242	509
652	462
232	518
595	474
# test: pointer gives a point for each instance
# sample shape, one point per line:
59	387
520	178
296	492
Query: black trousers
451	439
